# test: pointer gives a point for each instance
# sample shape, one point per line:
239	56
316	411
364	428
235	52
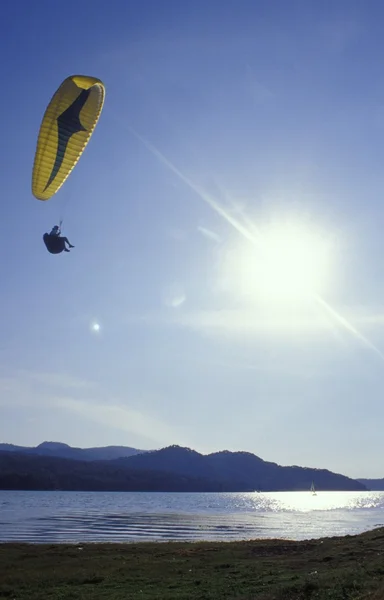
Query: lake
58	517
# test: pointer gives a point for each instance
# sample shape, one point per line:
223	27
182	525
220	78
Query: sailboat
313	489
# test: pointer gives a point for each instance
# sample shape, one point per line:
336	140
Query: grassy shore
350	567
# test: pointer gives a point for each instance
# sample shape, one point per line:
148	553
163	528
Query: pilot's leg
66	241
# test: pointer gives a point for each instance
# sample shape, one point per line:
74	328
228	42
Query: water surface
57	517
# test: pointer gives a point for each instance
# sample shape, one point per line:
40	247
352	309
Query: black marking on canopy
68	123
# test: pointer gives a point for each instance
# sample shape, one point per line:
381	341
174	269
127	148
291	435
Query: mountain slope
61	450
32	472
375	485
182	468
248	471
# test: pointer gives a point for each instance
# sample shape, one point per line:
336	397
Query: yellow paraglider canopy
66	128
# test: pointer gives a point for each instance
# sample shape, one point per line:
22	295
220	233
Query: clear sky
227	218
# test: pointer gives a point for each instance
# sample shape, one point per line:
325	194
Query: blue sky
227	217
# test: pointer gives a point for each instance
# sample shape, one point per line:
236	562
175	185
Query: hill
375	485
247	470
61	450
170	469
31	472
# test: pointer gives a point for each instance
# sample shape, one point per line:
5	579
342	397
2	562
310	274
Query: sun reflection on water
307	502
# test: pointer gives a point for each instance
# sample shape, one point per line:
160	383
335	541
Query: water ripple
58	517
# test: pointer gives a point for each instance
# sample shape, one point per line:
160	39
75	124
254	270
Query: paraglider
66	128
55	243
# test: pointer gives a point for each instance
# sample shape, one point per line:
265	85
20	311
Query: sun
288	262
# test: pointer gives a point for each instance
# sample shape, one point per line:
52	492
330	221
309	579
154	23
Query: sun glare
288	262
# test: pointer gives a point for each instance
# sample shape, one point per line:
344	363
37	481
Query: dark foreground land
350	567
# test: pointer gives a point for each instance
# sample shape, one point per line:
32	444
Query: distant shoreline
57	466
83	491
